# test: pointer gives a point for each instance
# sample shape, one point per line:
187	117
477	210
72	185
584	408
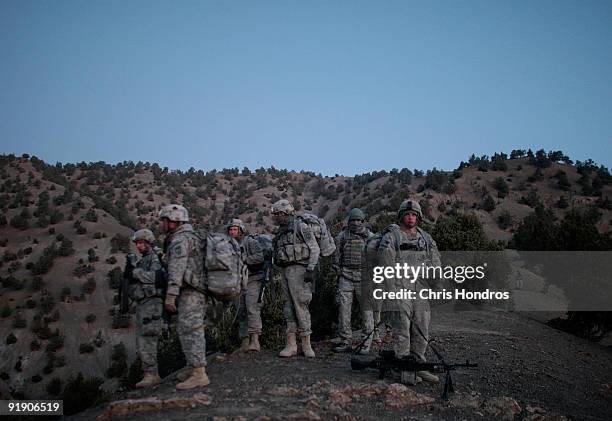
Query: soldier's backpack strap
396	231
425	237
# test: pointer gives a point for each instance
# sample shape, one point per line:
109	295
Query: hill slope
65	229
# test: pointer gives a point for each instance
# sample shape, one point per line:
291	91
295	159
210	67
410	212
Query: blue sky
329	86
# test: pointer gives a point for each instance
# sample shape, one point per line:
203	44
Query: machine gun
126	280
387	361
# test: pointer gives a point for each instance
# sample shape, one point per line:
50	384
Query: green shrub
86	348
501	186
11	339
488	204
89	286
80	394
504	220
54	387
118	365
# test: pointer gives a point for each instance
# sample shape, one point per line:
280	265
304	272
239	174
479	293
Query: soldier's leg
253	307
290	349
421	319
418	345
288	305
191	313
253	314
301	295
400	330
344	298
149	327
376	320
368	319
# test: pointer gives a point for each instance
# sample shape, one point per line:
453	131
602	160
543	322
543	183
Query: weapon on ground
387	362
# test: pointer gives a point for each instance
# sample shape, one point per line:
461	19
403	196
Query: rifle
267	269
387	361
126	280
161	284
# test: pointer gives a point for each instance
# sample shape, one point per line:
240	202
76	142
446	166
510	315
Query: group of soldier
295	255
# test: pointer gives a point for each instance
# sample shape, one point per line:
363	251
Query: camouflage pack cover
320	231
266	243
223	265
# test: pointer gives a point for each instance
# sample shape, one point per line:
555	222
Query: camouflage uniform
149	306
348	261
186	279
296	251
249	310
398	246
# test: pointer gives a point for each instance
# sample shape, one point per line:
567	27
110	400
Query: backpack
370	260
223	266
266	244
320	231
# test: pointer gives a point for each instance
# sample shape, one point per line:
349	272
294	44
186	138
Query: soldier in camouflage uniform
411	318
249	310
149	306
185	292
296	252
347	263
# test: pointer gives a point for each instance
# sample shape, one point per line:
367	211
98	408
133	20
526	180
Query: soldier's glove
170	303
132	259
335	269
138	273
309	276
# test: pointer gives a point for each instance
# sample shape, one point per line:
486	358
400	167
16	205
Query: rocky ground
526	371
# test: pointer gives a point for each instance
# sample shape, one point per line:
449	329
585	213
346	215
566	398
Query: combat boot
198	378
428	377
343	347
306	347
409	378
184	375
290	349
245	344
254	343
149	379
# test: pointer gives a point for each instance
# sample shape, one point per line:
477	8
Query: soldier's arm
146	275
434	260
336	255
177	264
254	252
311	243
387	250
434	254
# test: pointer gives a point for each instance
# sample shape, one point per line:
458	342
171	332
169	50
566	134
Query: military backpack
320	231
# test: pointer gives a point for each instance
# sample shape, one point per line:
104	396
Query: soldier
149	306
249	310
410	319
186	291
347	263
296	252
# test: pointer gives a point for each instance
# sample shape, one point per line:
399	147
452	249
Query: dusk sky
329	86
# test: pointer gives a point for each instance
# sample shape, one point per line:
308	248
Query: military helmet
283	206
144	234
356	213
409	206
235	222
174	212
